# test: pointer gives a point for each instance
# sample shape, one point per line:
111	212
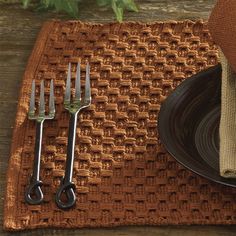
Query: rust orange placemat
123	175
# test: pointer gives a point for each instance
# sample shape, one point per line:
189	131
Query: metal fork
67	187
34	194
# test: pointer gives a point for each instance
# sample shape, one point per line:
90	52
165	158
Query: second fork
67	187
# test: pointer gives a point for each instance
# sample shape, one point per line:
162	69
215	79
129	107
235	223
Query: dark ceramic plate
189	124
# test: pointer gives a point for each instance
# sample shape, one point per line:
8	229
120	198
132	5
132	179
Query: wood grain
18	31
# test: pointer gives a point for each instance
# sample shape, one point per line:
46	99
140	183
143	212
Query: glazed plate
189	124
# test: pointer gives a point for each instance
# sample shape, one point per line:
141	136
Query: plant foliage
71	7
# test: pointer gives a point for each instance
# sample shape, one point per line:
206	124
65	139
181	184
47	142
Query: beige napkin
228	120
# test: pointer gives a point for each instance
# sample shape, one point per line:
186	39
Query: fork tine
68	82
51	100
41	100
87	85
32	100
77	84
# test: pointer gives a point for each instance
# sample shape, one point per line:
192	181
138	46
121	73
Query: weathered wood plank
18	31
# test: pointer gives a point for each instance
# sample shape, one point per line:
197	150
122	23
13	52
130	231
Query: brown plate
189	124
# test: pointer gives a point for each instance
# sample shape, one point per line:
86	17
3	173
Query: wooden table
18	31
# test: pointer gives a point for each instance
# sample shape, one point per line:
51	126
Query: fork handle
67	186
37	150
34	194
68	189
71	147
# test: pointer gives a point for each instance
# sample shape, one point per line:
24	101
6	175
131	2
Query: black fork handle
34	194
67	186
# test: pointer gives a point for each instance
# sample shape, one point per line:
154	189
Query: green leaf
45	5
71	6
25	3
130	5
118	10
119	6
68	6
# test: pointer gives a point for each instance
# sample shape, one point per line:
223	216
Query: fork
67	187
34	194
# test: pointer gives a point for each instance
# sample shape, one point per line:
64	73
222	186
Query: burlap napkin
221	24
228	120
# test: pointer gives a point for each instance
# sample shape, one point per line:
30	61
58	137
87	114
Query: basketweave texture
123	174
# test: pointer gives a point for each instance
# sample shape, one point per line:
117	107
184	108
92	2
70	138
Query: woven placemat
123	175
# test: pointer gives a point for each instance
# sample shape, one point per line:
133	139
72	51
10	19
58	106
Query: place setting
123	124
